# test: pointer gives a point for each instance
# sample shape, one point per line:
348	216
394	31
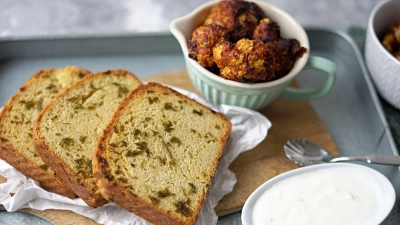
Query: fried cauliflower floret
239	17
266	31
245	61
202	41
284	52
239	43
253	61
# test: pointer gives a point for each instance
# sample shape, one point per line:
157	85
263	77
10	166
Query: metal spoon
305	153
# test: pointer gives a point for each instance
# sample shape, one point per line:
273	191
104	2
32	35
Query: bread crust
63	171
90	195
114	190
47	178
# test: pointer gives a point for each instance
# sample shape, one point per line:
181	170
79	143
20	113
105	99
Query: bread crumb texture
18	119
71	125
163	148
21	111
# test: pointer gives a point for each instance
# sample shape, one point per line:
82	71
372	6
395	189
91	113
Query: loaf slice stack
67	130
158	154
17	120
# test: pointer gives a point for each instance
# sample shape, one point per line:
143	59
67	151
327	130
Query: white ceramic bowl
218	90
364	179
383	67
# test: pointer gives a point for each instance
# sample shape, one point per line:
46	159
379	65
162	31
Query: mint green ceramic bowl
218	90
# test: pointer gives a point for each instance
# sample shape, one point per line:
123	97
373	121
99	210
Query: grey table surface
36	18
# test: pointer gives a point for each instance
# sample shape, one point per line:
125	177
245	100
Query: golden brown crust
14	156
45	177
249	50
239	17
253	61
245	61
203	40
114	190
266	31
120	195
89	194
64	172
285	53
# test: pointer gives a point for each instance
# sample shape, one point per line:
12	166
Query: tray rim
368	80
127	35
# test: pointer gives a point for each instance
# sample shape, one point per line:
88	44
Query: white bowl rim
299	65
390	194
375	36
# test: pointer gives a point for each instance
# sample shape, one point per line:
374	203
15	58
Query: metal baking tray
351	112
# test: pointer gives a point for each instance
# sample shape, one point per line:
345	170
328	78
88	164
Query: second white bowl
331	194
383	67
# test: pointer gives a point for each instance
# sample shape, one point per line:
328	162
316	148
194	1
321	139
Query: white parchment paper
249	128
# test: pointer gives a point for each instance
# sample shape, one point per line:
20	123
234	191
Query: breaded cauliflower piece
253	61
202	41
239	43
239	17
245	61
266	31
284	52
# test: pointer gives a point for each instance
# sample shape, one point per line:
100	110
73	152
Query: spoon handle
379	159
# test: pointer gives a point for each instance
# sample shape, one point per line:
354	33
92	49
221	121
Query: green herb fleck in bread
17	120
158	154
68	129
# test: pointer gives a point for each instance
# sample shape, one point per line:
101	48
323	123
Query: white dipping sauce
321	197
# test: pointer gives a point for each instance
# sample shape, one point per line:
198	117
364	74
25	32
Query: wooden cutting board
290	119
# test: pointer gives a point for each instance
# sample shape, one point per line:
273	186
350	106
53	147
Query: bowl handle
317	63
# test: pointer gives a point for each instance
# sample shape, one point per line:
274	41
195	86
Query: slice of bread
17	120
158	154
67	130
